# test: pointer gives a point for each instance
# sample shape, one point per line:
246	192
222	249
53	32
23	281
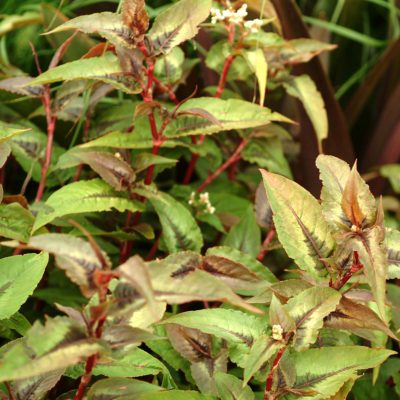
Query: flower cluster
277	332
235	17
203	202
254	25
229	15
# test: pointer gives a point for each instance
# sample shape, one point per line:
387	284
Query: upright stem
51	124
92	360
270	377
264	248
232	159
220	89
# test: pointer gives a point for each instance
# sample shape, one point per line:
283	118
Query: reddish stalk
264	248
232	159
92	360
51	124
220	89
270	377
10	391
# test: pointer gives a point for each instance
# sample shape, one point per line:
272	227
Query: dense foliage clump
154	242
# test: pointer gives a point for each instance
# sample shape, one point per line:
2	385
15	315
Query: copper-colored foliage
135	17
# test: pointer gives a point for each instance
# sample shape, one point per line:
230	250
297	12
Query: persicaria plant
161	249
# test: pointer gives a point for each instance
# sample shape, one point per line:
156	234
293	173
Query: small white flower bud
277	332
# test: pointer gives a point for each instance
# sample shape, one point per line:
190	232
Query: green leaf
7	131
16	222
216	56
261	351
120	388
16	322
18	365
177	279
325	370
267	153
392	172
168	69
244	259
57	344
106	69
108	25
246	235
258	63
19	276
373	257
82	197
299	223
180	230
74	255
231	388
308	309
334	174
232	325
356	318
393	252
231	114
177	24
278	315
303	88
37	387
114	170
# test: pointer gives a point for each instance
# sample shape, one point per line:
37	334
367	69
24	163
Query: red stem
264	248
218	94
232	159
51	124
270	377
92	360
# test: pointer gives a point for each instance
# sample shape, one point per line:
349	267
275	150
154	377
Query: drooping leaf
106	69
57	344
16	222
115	171
231	114
74	255
177	24
137	274
393	251
131	363
231	388
299	223
177	279
308	309
354	317
81	197
244	259
19	84
303	88
35	388
326	370
231	325
19	276
263	209
116	388
7	131
258	64
180	229
108	25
